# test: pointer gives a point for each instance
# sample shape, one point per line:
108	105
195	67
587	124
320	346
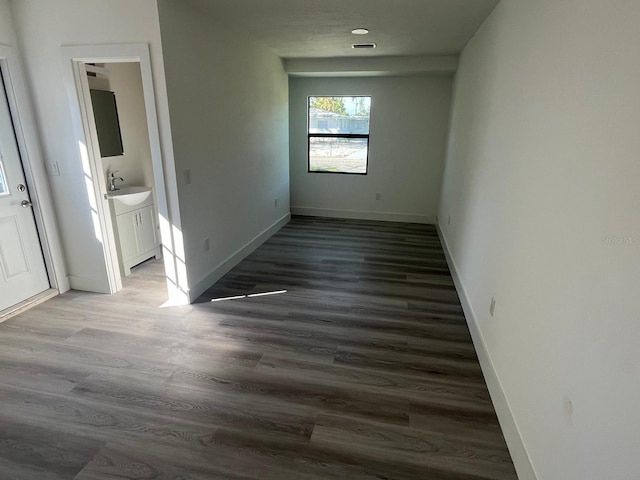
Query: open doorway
139	223
121	126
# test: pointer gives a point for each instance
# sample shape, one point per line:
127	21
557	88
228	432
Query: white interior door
22	270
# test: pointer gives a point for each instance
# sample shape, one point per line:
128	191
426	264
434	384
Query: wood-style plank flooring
362	369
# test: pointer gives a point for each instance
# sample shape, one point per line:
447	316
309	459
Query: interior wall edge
226	265
373	66
513	437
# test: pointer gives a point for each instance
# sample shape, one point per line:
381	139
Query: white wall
7	34
229	111
43	27
542	187
134	165
408	133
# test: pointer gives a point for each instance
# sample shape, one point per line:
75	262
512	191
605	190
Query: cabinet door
127	227
146	230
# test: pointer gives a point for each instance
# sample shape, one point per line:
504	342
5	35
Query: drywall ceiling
322	28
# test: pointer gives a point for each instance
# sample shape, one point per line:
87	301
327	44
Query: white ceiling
322	28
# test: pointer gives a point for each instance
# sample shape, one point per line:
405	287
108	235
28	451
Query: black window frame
336	135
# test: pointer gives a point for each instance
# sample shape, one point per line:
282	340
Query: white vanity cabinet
136	231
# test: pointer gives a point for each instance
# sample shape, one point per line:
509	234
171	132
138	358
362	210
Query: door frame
74	59
33	166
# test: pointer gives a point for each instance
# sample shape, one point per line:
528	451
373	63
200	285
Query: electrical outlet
492	307
275	202
378	196
187	176
207	244
449	221
53	169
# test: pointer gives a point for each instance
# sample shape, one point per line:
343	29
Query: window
338	134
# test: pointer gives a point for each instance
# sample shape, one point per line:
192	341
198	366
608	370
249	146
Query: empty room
291	239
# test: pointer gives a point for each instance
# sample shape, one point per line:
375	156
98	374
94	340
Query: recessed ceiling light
360	31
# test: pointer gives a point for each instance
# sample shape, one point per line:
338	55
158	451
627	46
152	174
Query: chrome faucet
112	181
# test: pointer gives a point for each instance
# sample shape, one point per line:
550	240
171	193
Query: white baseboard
517	449
363	215
218	272
64	284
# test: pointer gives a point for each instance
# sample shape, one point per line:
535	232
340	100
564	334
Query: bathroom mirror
105	112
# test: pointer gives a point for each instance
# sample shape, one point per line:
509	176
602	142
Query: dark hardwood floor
358	366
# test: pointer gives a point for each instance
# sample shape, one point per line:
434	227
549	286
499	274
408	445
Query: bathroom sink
130	195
